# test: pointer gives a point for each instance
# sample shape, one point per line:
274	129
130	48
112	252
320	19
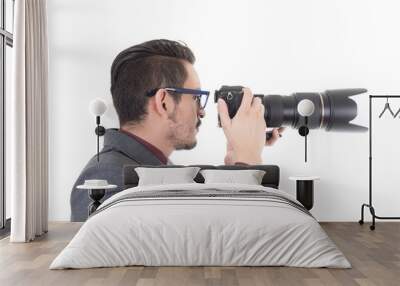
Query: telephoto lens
332	110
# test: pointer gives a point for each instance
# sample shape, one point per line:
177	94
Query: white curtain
29	123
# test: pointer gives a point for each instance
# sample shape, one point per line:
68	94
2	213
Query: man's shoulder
110	159
108	167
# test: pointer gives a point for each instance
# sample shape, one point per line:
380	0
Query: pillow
248	177
162	176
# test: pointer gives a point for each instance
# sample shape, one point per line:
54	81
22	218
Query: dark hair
144	67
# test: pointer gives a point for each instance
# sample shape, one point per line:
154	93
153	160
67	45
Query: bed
201	224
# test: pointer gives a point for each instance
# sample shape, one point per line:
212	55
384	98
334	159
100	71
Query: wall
270	46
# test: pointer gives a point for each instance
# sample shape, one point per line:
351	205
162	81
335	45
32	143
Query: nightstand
305	190
96	192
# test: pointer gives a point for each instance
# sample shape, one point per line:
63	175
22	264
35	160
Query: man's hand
230	158
245	132
276	133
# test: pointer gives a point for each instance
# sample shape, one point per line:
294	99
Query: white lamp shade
305	107
97	107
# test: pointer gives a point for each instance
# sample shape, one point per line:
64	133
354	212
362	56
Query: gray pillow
162	176
248	177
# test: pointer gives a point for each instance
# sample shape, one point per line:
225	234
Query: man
156	93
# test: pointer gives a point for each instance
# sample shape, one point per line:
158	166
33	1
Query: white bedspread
206	230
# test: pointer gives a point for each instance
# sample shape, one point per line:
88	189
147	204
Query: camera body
233	96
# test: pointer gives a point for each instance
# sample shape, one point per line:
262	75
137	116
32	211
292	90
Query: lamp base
100	130
303	131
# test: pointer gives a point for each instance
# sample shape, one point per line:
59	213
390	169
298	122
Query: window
6	44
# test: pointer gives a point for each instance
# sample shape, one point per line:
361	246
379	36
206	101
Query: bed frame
270	179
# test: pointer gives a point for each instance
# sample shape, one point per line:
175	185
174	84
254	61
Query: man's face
184	122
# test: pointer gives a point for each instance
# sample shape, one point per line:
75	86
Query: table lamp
97	107
305	108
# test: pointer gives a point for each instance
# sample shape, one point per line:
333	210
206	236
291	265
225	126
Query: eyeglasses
201	96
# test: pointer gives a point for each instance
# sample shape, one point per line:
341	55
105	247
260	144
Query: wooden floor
374	255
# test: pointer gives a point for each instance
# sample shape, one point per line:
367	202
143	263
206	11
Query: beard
180	134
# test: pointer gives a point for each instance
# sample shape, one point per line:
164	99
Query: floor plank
374	255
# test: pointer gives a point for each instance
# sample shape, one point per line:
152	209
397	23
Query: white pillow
248	177
162	176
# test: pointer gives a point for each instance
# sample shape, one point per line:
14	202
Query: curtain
29	122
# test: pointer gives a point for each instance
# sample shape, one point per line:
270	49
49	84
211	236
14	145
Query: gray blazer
119	149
